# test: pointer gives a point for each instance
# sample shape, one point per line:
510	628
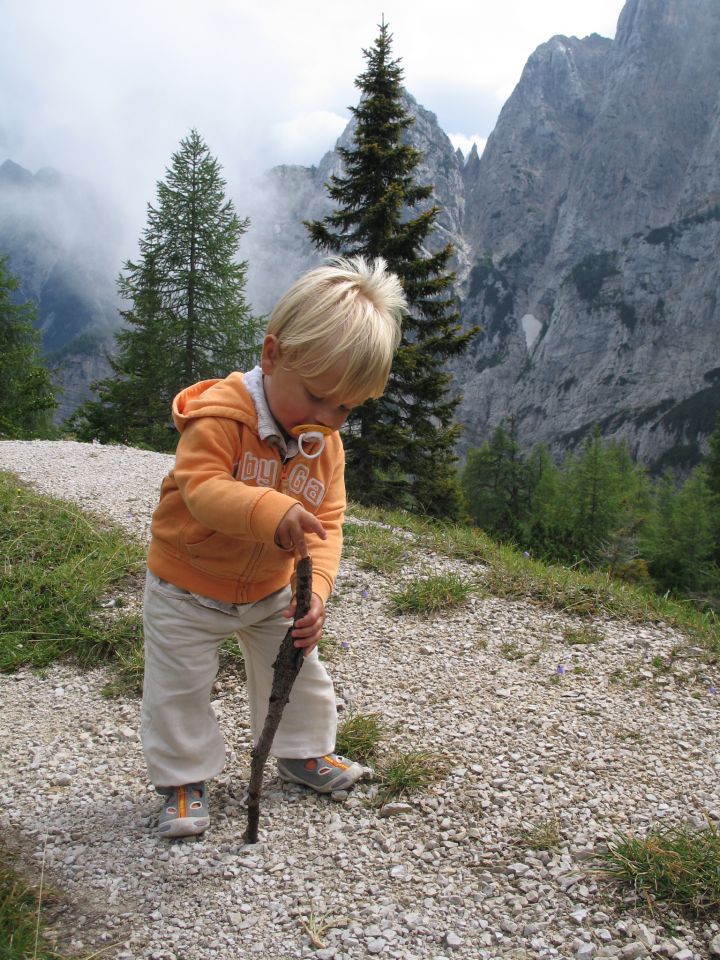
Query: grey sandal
323	774
185	812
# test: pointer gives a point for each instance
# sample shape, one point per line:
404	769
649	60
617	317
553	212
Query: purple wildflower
560	669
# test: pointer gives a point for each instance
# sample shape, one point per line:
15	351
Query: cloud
462	142
306	137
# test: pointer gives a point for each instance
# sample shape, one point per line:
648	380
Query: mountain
587	241
594	223
54	232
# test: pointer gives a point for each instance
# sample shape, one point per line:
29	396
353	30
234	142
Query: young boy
258	482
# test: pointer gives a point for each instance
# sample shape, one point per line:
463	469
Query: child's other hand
309	628
290	533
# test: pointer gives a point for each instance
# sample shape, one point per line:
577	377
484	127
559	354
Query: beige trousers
181	739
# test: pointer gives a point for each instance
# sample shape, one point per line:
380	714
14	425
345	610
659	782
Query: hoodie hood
227	398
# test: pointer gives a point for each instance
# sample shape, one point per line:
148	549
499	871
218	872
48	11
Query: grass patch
432	594
581	637
510	650
358	737
376	548
508	573
57	566
407	773
675	866
21	927
542	835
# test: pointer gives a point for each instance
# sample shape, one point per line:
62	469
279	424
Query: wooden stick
285	670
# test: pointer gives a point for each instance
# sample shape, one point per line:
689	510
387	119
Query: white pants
181	739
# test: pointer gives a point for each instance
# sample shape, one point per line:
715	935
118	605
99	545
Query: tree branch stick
285	670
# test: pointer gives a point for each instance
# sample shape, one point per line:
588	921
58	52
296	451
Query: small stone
684	954
339	796
376	945
518	869
585	951
452	940
634	950
326	954
394	809
714	946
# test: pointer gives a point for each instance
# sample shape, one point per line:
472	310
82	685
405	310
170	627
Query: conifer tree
26	391
399	448
188	318
495	484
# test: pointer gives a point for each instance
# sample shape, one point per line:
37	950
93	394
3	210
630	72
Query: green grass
510	650
675	866
541	835
405	774
57	566
358	737
582	637
508	573
374	547
431	594
21	927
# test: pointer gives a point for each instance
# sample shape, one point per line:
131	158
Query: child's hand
308	629
290	533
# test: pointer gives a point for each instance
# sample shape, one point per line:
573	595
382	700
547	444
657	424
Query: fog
104	92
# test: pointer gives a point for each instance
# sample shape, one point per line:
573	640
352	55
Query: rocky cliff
58	240
594	222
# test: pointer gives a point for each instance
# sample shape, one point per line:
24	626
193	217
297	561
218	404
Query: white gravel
612	743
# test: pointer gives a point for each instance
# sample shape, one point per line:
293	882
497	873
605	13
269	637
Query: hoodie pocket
228	557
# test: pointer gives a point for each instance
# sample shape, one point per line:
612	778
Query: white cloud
307	137
462	141
107	91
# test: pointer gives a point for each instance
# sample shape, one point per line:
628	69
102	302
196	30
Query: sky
105	91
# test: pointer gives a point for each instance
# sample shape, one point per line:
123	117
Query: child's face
295	400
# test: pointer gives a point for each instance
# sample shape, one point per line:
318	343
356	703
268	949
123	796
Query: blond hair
349	310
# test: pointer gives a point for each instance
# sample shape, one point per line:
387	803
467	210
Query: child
258	481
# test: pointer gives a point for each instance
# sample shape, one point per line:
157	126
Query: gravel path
610	742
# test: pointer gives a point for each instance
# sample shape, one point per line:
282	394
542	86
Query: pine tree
188	318
400	447
680	545
495	485
26	391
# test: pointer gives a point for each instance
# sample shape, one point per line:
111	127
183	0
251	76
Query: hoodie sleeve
204	463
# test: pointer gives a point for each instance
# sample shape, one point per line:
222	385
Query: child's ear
270	354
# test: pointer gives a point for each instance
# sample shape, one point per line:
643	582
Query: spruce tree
495	485
26	391
188	319
400	447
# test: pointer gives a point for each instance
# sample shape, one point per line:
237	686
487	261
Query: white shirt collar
267	426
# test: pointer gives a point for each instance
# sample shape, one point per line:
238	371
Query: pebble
445	873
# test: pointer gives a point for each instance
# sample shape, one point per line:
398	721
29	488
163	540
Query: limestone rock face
594	220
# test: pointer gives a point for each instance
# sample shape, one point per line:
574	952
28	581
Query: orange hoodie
213	532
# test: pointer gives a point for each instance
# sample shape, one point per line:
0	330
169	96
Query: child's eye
314	398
